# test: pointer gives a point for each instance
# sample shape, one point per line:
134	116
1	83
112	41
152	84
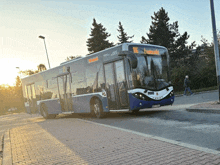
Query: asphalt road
172	122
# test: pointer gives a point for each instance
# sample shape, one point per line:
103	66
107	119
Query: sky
66	26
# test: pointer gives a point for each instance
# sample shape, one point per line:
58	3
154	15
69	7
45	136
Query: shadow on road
112	115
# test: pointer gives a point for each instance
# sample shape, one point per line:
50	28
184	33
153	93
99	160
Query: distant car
12	109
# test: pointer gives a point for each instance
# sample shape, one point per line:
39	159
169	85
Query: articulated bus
126	77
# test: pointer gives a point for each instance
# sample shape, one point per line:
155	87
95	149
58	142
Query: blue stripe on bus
141	104
81	104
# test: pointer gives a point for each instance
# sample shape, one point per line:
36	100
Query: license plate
156	106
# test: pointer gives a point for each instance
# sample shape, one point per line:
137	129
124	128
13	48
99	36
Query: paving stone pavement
75	141
1	149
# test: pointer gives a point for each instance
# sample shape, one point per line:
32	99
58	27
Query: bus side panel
81	104
53	107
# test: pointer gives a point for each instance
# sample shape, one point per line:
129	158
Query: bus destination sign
93	59
146	51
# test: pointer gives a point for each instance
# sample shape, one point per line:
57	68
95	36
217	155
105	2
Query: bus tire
97	108
43	111
45	114
52	116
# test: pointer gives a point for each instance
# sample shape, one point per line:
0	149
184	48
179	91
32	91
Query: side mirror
133	60
131	57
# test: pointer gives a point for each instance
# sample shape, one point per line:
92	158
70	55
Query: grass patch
198	90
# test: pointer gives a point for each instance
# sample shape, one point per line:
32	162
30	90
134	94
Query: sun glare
9	69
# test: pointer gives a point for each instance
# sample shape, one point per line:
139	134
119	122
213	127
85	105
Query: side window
29	92
33	91
38	90
41	90
25	94
52	88
94	78
78	82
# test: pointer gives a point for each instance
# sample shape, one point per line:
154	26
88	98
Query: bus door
64	85
31	98
116	85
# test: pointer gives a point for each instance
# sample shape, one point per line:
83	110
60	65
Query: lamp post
217	64
19	71
42	37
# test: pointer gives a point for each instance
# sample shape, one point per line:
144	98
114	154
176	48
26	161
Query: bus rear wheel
97	108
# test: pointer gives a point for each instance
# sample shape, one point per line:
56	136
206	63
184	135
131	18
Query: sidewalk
207	107
1	149
85	142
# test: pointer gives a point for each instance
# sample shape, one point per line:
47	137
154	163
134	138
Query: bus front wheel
135	111
97	108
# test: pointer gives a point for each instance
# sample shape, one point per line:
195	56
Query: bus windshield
152	70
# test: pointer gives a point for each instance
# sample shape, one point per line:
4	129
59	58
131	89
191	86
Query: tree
18	92
182	60
98	40
160	32
18	81
208	73
29	72
163	33
41	67
73	57
123	37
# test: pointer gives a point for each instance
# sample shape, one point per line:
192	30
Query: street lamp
19	71
42	37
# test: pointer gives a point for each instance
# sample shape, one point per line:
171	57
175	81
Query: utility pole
215	48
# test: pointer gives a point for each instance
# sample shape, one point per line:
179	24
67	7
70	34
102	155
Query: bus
127	77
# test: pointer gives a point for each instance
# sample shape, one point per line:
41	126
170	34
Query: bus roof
124	47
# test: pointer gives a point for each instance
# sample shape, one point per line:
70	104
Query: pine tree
163	33
160	32
123	37
98	40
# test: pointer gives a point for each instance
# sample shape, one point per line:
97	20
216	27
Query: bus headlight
104	93
139	96
171	93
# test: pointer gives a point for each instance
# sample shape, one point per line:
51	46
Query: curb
7	157
204	110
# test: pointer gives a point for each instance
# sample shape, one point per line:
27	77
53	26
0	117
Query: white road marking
207	150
